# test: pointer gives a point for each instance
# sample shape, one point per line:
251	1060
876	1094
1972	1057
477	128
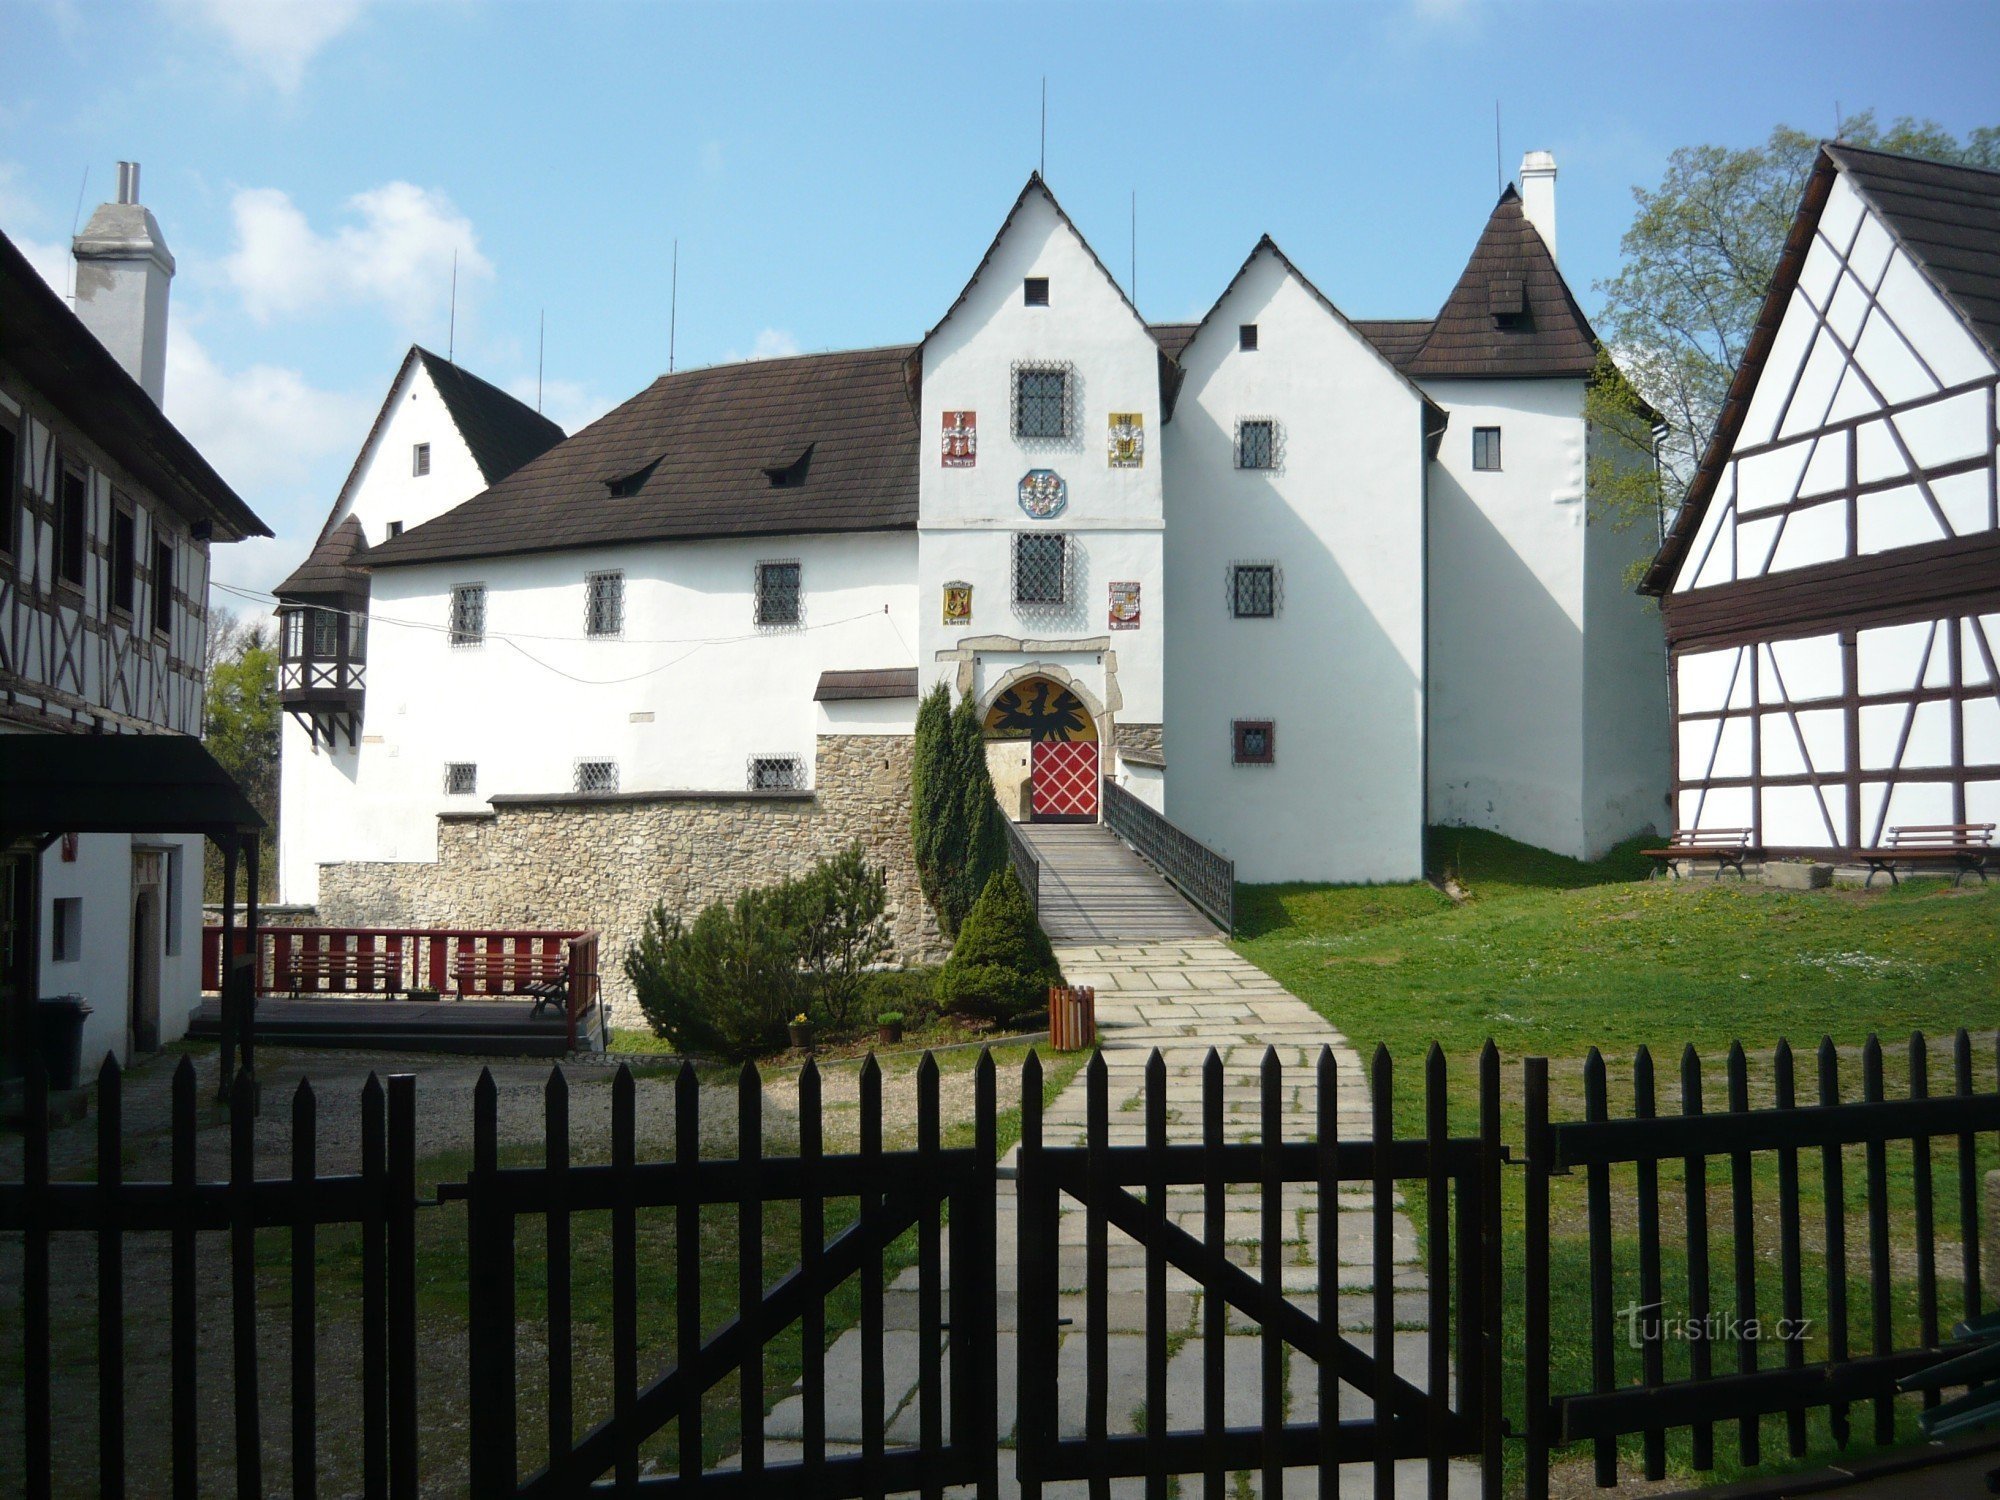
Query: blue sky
833	172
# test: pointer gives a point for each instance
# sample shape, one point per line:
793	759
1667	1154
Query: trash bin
1072	1018
59	1039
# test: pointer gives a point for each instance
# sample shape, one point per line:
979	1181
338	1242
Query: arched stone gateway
1042	750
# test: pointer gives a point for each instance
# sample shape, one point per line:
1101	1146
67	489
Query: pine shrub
1002	965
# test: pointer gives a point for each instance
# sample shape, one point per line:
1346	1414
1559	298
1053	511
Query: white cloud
50	259
398	256
275	38
774	343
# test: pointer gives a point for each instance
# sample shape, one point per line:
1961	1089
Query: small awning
873	682
117	783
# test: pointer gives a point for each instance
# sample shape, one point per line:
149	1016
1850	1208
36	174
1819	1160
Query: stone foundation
604	862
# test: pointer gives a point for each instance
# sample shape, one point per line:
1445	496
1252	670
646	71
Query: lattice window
1042	569
1254	742
777	773
780	601
325	634
461	778
291	634
597	776
1253	591
1044	401
468	614
1257	443
1485	447
604	604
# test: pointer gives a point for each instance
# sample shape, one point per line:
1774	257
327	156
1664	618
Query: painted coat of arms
1125	605
1127	440
961	439
1043	494
958	603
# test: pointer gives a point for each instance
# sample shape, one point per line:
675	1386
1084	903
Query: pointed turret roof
1511	315
332	569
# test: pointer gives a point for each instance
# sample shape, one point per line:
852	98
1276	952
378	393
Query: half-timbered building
109	514
1831	587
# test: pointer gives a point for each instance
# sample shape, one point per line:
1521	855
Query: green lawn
1548	956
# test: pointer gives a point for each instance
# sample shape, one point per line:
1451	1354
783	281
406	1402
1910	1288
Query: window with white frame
777	773
1253	591
597	776
1042	568
420	459
468	614
1044	401
779	602
604	604
1485	447
1257	443
461	778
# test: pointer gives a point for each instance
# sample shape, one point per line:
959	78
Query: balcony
323	672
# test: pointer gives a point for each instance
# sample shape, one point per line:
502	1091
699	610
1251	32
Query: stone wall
603	862
1142	739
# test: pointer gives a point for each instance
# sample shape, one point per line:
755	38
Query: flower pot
1798	877
802	1037
890	1032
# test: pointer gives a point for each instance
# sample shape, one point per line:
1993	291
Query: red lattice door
1063	775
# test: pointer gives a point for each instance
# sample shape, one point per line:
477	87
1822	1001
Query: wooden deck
1096	890
479	1027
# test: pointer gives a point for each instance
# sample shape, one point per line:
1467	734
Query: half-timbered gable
1832	586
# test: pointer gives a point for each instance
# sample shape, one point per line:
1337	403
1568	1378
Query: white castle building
1304	584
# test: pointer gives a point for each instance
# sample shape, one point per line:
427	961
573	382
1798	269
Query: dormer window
1508	300
624	486
1035	291
788	470
1246	337
395	528
420	460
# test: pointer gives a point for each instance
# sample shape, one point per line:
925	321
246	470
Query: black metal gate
1459	1256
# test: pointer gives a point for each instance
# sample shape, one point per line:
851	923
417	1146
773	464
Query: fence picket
1035	1383
1535	1292
1833	1174
1271	1262
930	1311
1097	1347
1694	1190
1652	1296
1792	1288
687	1266
979	1255
110	1284
35	1353
625	1281
181	1277
1596	1108
556	1282
1921	1191
1437	1214
1492	1271
750	1270
374	1282
1215	1315
243	1283
305	1294
1327	1270
1156	1277
812	1247
872	1420
493	1433
1382	1082
1968	1178
1743	1234
401	1238
1881	1334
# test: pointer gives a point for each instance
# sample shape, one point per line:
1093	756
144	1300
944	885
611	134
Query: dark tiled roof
502	431
873	682
1550	337
1398	338
66	365
703	440
331	570
1172	337
1947	217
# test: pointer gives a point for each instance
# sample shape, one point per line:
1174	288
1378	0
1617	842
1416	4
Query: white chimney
1538	195
122	273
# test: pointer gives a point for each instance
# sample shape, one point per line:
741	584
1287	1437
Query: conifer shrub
726	983
955	831
1002	965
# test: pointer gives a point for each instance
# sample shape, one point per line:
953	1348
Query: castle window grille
1044	401
780	602
597	776
461	778
1253	591
777	773
468	614
1257	443
1042	568
1254	742
604	604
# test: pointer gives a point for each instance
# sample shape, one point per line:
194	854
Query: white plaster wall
682	700
884	716
968	517
1508	567
1340	669
384	488
317	791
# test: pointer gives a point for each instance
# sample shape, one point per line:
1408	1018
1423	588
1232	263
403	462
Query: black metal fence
1190	866
1027	867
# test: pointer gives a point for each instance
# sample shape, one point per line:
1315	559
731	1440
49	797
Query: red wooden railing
466	962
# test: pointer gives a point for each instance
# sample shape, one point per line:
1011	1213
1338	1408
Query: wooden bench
1968	847
343	970
1728	847
545	976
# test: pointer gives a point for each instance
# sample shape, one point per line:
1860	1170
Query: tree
955	830
985	848
241	729
1002	965
930	791
1698	260
835	914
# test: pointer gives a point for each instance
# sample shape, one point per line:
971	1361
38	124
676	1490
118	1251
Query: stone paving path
1182	996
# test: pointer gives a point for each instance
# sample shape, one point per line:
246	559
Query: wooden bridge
1094	889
